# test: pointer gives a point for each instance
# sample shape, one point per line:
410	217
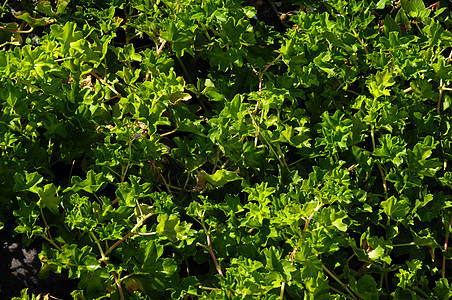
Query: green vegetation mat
222	149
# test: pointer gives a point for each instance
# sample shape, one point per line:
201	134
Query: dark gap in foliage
63	171
201	66
142	43
108	191
197	268
20	265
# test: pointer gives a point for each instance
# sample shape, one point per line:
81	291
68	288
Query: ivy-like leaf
47	198
221	177
29	182
168	226
394	208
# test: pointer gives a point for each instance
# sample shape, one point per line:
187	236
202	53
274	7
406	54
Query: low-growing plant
182	149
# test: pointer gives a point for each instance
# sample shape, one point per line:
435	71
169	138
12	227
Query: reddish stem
434	5
118	284
308	220
261	74
160	48
104	83
209	248
128	234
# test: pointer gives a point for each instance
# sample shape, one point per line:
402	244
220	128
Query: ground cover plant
185	150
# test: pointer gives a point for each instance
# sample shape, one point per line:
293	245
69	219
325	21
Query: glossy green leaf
27	182
395	208
48	198
168	226
221	177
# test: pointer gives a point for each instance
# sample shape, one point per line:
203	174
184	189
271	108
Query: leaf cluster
182	149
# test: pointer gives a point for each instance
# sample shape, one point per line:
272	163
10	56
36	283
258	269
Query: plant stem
261	74
383	177
278	147
127	276
281	295
128	234
438	104
403	245
336	290
209	288
144	233
307	221
169	132
310	217
166	184
356	35
47	231
51	242
159	49
383	276
105	260
118	284
98	246
256	125
343	285
4	4
212	254
446	241
16	31
106	84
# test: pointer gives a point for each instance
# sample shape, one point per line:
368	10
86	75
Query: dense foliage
184	150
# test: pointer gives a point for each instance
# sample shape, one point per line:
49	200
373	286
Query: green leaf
34	22
446	180
14	97
391	25
45	7
447	102
66	34
415	8
424	238
93	182
335	132
418	158
379	254
168	226
9	34
382	4
24	295
391	149
379	83
78	260
125	195
221	177
402	20
187	286
233	29
394	208
408	278
442	289
149	255
363	158
367	287
29	182
273	259
47	198
337	219
322	61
